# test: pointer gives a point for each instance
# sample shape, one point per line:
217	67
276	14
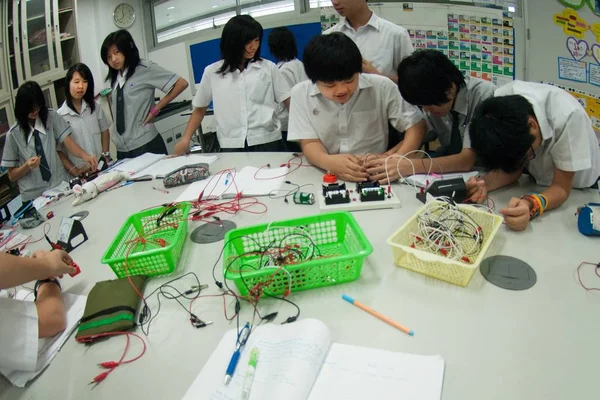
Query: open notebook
299	362
226	186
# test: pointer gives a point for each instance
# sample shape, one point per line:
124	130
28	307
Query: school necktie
456	143
120	110
39	149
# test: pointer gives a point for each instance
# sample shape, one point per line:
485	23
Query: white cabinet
50	96
42	35
6	120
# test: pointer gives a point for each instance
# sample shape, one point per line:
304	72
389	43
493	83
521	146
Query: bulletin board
479	41
589	101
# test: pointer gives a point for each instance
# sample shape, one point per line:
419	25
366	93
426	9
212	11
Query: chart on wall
479	42
589	101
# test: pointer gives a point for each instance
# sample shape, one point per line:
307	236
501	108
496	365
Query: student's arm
183	146
346	166
368	68
105	140
180	85
16	173
517	213
77	151
51	310
413	138
287	103
67	164
16	271
103	124
462	162
281	87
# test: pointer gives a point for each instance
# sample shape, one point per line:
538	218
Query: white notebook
169	164
226	186
48	348
134	165
298	362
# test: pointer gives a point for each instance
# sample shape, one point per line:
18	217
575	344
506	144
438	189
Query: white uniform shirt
293	72
381	42
245	102
18	335
358	127
87	128
569	142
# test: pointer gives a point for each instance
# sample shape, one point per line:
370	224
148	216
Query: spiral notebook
299	362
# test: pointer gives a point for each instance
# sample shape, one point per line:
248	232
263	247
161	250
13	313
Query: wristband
106	154
40	283
154	111
535	203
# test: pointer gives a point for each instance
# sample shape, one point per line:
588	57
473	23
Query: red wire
27	241
597	267
289	164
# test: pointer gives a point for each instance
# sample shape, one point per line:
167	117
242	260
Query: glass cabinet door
15	50
37	30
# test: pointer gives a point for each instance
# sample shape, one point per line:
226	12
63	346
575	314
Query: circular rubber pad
508	272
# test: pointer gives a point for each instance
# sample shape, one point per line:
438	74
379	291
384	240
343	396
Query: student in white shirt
134	82
246	91
23	322
541	128
30	149
383	44
89	124
428	79
282	45
342	115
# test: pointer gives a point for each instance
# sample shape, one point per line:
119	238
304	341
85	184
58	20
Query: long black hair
29	97
125	44
282	44
87	76
237	33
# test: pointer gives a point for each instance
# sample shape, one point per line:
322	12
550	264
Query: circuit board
350	196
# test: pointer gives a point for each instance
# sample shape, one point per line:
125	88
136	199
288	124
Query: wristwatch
41	282
106	154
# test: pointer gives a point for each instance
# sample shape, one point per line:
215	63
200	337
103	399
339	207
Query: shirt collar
540	116
65	107
38	126
461	105
121	79
373	21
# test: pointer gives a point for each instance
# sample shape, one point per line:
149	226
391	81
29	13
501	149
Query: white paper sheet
48	348
167	165
358	373
244	181
288	363
134	165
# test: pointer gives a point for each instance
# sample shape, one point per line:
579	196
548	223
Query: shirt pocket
261	89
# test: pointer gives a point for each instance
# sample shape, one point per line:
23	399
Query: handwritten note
595	74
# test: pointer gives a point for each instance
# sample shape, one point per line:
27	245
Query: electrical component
304	198
370	191
336	193
588	219
454	188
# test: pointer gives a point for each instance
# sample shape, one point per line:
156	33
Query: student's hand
182	147
347	167
476	190
91	160
516	215
78	171
58	262
33	162
149	119
368	68
376	169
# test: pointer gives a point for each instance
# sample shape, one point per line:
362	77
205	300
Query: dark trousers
275	146
156	146
292	147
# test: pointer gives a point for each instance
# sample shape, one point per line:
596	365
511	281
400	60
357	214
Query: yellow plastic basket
436	265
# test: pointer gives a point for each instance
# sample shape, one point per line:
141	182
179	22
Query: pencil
376	314
160	190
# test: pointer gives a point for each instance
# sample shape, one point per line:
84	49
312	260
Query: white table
541	343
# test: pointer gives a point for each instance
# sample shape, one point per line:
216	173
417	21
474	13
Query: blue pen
241	341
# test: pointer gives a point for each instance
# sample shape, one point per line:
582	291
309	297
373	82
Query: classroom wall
548	42
94	22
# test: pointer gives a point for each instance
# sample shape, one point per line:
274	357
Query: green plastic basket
149	258
342	244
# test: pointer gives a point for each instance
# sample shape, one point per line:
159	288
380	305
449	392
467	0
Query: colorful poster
594	75
590	102
572	70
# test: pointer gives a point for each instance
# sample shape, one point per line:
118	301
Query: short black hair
282	44
29	96
87	76
426	76
500	132
331	58
126	45
237	33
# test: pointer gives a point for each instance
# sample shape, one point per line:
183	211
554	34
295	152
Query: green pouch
111	306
